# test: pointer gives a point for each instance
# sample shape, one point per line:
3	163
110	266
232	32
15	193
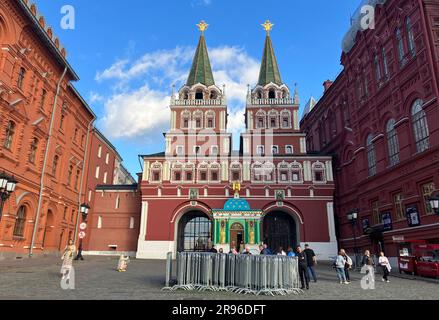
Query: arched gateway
280	230
194	232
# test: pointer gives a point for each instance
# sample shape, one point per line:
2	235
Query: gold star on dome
202	26
267	26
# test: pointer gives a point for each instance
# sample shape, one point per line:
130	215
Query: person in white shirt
385	265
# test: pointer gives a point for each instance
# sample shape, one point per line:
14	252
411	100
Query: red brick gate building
379	119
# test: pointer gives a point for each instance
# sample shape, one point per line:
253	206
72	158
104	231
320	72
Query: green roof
201	71
269	67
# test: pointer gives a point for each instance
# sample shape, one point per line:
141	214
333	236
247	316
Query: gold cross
267	26
202	26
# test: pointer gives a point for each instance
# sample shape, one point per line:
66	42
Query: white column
296	120
145	171
331	222
303	145
307	170
143	221
329	174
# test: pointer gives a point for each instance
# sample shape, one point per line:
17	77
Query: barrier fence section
243	274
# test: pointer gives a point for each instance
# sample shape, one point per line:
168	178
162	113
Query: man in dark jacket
312	261
303	266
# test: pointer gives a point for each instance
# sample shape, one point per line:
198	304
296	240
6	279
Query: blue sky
129	53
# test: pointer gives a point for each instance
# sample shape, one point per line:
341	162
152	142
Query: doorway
237	236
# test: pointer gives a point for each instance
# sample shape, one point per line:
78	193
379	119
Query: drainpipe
82	180
46	155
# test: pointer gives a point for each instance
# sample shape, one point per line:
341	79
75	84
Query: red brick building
285	197
44	133
379	119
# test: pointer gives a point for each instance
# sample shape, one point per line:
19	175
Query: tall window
377	68
289	149
420	126
427	191
78	173
33	150
392	143
20	222
69	175
98	169
400	45
399	208
376	213
410	37
43	98
55	165
371	156
10	131
63	116
21	76
385	64
100	152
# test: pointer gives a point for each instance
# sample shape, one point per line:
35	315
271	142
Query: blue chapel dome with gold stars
237	205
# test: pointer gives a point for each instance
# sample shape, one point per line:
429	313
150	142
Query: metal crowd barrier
243	274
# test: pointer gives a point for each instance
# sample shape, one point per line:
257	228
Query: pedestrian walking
368	261
303	264
79	255
67	258
340	263
348	265
385	265
312	262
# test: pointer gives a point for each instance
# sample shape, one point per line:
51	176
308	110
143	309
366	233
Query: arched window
213	95
214	171
285	94
10	132
283	172
63	116
55	165
371	156
286	119
260	119
271	94
203	170
296	172
385	64
210	119
186	95
198	119
21	76
392	142
185	119
410	37
377	68
199	95
78	174
289	149
235	172
273	117
420	126
20	222
156	172
400	45
259	94
319	172
177	169
189	172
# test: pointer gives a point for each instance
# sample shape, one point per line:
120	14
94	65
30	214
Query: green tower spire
201	71
269	67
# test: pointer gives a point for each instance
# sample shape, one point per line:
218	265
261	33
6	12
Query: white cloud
95	97
138	105
132	114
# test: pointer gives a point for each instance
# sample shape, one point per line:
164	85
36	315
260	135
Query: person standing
247	251
368	260
67	258
340	263
291	253
348	265
312	262
281	252
303	264
265	250
385	265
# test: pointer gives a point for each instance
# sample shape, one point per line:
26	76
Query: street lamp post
7	186
434	203
353	218
85	208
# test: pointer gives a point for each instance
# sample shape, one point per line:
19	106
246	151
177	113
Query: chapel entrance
237	236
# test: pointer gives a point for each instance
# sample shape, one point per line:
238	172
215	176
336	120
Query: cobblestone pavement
96	279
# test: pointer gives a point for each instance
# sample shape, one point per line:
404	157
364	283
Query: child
123	263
